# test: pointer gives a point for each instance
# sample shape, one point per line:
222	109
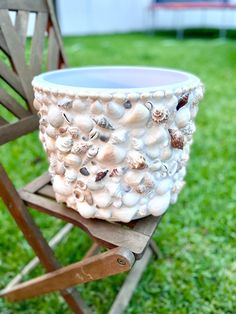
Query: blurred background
196	272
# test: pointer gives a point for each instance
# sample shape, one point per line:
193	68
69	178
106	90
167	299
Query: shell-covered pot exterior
118	156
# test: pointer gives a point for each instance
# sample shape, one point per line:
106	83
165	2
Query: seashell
81	185
103	123
156	165
61	198
72	160
43	121
178	186
79	105
182	117
124	214
62	130
94	186
71	202
165	154
115	111
103	213
116	172
173	198
141	189
183	100
117	203
79	195
86	210
171	103
130	199
133	177
104	138
164	186
94	134
159	204
118	136
49	144
64	144
160	114
55	117
137	144
96	107
177	138
172	167
84	171
144	200
156	135
153	151
91	153
65	103
102	199
80	147
60	168
148	180
37	105
70	175
136	160
138	116
67	117
143	211
149	105
74	131
110	154
189	129
100	175
138	132
127	104
85	124
88	197
115	189
126	188
61	187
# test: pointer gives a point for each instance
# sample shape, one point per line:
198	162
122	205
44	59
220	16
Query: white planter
117	138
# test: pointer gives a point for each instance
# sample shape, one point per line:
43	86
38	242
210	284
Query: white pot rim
52	81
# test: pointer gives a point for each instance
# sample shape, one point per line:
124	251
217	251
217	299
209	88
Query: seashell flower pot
117	138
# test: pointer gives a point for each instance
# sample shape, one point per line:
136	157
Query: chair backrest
19	62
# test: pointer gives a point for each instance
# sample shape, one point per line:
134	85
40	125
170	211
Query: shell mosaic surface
118	156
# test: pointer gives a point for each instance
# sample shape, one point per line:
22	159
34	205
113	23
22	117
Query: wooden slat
47	191
3	44
3	121
12	105
92	268
38	183
103	232
34	236
11	78
124	296
12	131
147	225
38	42
21	25
26	5
63	60
53	50
16	49
94	249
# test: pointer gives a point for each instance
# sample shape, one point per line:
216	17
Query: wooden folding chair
125	243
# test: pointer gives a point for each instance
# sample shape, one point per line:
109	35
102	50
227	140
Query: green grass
197	237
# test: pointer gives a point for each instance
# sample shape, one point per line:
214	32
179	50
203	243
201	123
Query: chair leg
155	249
112	262
34	237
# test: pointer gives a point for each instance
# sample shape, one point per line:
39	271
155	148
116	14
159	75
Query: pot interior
115	77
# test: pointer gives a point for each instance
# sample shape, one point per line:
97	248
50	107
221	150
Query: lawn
197	237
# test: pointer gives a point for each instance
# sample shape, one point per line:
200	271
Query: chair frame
125	243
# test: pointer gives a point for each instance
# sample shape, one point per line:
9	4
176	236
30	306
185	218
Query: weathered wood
47	191
26	5
103	232
12	105
124	296
3	121
94	249
21	25
155	249
106	264
38	183
147	225
53	50
12	131
16	49
55	240
33	235
11	78
38	42
3	44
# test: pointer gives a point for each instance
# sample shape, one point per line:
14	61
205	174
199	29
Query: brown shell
177	138
103	123
183	100
160	115
100	175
